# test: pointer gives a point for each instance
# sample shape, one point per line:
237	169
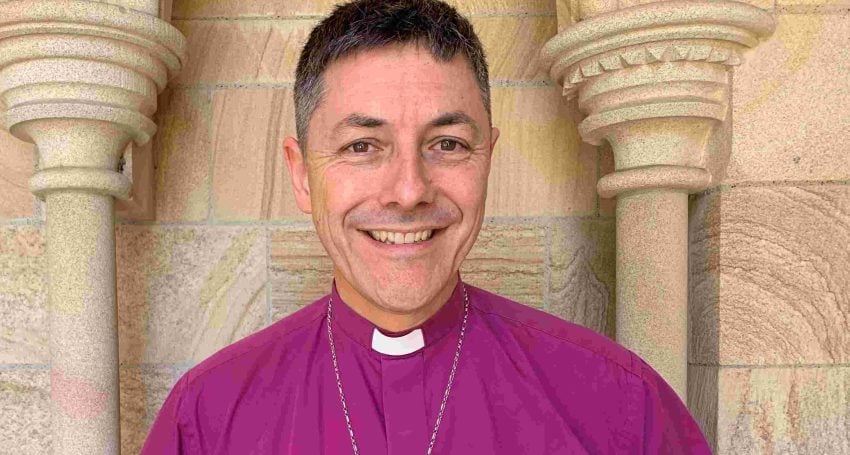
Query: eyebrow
455	118
358	120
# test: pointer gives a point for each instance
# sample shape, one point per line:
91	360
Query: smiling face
395	178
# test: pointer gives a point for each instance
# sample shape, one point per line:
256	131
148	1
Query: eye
359	147
451	145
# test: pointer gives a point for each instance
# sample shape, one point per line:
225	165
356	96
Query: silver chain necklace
445	394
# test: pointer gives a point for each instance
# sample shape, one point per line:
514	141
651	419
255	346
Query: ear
298	174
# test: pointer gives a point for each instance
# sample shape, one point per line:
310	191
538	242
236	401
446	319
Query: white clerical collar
405	344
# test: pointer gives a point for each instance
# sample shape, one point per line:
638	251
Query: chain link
445	394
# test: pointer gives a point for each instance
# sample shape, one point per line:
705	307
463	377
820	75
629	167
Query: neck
387	320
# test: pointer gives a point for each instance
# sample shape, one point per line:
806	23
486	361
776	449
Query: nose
408	181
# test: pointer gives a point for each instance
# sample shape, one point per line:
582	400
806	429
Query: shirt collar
434	328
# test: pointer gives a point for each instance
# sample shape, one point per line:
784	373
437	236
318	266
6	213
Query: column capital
80	80
653	82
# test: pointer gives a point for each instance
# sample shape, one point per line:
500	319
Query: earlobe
297	165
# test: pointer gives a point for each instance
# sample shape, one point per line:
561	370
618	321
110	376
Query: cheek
466	189
342	189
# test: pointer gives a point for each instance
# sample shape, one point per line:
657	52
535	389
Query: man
392	158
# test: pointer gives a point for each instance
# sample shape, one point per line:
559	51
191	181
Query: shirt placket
404	404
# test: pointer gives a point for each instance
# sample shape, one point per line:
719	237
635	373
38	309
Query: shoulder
280	339
594	380
203	400
562	335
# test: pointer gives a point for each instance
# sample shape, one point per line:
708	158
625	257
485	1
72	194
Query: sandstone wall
229	253
769	263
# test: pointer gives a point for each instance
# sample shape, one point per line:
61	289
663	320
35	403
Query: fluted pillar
80	80
653	81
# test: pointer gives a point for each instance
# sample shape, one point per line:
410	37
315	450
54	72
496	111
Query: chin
406	296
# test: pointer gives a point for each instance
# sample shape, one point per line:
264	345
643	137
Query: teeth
396	238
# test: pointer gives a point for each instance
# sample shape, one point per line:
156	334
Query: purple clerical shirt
526	383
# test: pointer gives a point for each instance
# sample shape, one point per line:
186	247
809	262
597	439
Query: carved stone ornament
66	65
654	76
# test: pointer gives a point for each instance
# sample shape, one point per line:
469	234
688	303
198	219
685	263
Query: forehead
399	80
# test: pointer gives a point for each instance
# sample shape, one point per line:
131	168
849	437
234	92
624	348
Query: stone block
803	410
25	416
770	276
539	166
283	8
790	102
582	258
16	168
242	51
266	51
184	292
509	260
250	178
515	59
300	269
182	152
23	295
143	390
702	400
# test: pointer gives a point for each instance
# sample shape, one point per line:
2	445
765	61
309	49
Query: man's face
399	149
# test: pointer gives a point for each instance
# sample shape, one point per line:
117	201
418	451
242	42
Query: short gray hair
368	24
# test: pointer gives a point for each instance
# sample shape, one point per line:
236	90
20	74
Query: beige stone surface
539	166
241	52
813	6
509	259
515	59
146	6
16	167
186	291
143	390
266	51
702	400
25	411
250	178
652	281
763	4
607	206
704	278
281	8
23	295
581	272
300	269
770	273
804	410
789	103
182	155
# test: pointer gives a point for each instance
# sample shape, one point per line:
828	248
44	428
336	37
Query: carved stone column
653	80
80	80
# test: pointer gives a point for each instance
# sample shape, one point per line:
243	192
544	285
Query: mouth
408	239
